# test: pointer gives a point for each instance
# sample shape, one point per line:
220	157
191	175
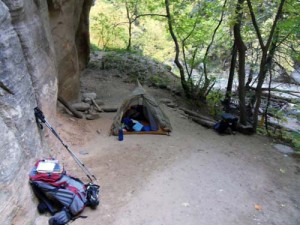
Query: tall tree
190	29
205	89
177	50
267	54
228	93
135	9
241	49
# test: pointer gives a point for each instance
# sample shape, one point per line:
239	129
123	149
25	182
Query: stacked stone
91	107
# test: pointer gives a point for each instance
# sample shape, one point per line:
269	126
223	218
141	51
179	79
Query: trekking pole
40	118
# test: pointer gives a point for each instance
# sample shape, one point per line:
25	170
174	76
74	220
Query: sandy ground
192	177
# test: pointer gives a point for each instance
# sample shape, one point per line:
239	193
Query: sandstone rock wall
70	30
34	53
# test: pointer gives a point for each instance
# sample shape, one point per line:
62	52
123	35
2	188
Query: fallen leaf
258	207
185	204
282	170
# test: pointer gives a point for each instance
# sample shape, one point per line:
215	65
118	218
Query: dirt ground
192	177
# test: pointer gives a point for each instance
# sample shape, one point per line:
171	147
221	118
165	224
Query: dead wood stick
281	90
203	122
281	98
195	114
288	93
70	108
97	106
277	90
109	109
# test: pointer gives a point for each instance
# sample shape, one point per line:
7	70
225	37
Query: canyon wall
70	31
43	47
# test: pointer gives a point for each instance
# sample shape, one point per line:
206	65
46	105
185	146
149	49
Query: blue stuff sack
146	128
137	126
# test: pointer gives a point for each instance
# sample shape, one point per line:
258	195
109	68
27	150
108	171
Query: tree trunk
268	103
228	94
205	88
265	66
268	51
70	108
177	51
129	29
241	48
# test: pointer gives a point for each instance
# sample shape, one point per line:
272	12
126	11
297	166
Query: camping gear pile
133	116
62	195
140	114
227	124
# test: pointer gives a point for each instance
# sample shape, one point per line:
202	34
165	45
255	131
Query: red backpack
51	184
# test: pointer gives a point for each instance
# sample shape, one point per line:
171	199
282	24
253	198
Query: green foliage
107	34
153	44
293	138
159	81
297	107
200	31
109	24
278	115
194	23
137	67
214	99
94	47
108	30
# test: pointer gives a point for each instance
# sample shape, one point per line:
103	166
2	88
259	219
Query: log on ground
70	108
203	122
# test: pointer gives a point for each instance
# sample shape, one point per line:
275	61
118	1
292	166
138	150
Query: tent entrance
142	111
140	114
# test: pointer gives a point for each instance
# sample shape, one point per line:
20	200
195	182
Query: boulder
99	102
87	100
284	149
93	116
81	106
171	105
91	96
165	100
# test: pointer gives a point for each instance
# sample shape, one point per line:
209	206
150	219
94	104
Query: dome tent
150	114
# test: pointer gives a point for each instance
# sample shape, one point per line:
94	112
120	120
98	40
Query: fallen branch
70	108
4	87
290	92
195	114
203	122
281	90
281	98
273	99
97	106
109	109
245	129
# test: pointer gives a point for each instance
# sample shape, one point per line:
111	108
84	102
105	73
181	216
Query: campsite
193	176
133	112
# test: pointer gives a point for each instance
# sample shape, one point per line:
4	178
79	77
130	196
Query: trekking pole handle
39	114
